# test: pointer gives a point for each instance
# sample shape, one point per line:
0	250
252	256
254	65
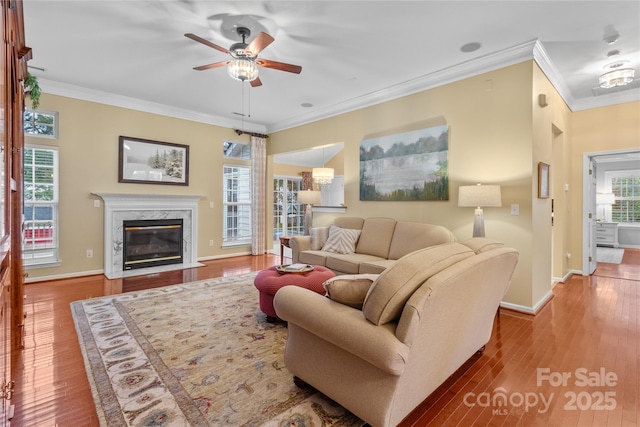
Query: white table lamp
479	196
308	198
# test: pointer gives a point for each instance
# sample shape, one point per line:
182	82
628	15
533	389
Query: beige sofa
381	242
421	320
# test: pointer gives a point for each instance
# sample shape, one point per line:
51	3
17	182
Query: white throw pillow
319	236
341	240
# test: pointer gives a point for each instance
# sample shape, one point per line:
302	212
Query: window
236	150
237	205
41	123
40	236
287	212
625	185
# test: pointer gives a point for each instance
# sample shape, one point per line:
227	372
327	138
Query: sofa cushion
394	286
313	257
354	222
482	244
376	267
349	289
341	240
348	264
411	236
319	236
376	237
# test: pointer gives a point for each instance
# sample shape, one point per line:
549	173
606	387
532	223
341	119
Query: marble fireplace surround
123	207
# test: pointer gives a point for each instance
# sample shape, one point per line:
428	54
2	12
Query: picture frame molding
122	161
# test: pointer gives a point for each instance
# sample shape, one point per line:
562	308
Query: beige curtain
258	193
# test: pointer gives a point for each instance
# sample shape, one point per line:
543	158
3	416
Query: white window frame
608	180
48	255
54	114
243	202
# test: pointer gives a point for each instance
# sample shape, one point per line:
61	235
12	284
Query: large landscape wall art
405	166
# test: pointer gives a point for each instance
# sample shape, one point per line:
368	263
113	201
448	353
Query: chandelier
615	78
243	69
322	176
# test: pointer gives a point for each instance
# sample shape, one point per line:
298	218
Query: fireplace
151	242
119	208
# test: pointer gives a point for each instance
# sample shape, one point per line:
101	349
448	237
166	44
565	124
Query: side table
284	242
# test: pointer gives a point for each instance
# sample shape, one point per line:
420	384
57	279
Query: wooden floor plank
590	322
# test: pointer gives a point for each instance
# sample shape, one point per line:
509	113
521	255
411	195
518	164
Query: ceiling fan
244	61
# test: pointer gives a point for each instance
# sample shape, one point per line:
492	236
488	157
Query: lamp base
478	224
308	219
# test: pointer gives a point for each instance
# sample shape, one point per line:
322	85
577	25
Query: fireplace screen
153	242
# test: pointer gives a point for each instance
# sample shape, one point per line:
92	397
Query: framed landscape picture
406	166
144	161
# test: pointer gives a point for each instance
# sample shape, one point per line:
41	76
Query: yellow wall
88	153
497	134
616	127
551	134
490	141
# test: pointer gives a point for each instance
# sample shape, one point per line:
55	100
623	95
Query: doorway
288	217
592	162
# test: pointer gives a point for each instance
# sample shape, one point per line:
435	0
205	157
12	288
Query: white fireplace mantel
120	207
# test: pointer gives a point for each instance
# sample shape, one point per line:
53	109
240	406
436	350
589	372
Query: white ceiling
353	53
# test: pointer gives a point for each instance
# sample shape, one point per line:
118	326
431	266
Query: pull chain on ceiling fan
244	61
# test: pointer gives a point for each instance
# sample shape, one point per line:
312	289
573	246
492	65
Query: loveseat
420	321
365	245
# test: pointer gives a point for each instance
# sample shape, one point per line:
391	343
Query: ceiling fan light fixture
243	69
615	78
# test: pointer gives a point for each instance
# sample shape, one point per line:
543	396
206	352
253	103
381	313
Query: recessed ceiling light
306	105
470	47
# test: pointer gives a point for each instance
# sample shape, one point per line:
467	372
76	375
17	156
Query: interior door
287	212
591	217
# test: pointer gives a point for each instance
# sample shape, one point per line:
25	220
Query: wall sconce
308	198
479	196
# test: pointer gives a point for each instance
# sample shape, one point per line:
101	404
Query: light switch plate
515	209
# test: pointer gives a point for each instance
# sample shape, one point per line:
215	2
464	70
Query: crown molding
606	100
91	95
471	68
532	49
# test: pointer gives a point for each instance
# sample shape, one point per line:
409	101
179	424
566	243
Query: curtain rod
260	135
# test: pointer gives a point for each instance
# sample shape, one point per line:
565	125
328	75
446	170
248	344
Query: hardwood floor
592	323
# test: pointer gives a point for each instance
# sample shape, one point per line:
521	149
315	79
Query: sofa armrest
297	245
342	326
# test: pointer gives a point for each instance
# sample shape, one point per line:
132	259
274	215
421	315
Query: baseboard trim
101	271
555	280
209	258
528	310
62	276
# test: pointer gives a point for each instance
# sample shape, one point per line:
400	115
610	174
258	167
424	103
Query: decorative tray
294	268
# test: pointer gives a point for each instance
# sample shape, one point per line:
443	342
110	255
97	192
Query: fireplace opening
152	242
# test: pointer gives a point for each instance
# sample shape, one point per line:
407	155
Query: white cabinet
607	234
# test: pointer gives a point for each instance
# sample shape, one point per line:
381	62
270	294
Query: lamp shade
479	196
605	198
309	197
322	175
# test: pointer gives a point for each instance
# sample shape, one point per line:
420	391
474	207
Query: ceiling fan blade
206	42
256	82
210	66
279	65
259	43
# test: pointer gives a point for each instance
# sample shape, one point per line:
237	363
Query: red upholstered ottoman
269	281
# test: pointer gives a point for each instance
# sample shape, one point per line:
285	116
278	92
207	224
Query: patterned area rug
196	354
609	255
